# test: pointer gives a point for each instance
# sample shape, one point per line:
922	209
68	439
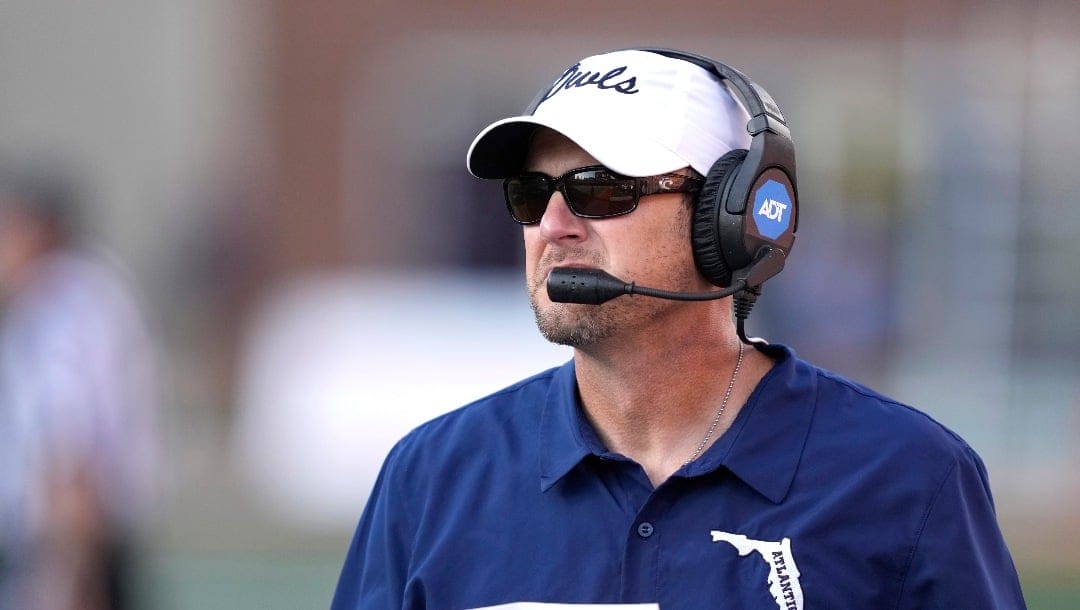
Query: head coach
673	463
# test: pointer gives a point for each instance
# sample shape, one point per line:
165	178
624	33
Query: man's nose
560	224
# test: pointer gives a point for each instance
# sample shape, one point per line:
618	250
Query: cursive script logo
574	77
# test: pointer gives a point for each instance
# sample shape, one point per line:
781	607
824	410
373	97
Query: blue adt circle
772	209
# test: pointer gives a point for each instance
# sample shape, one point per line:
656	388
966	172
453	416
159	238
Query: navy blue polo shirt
822	494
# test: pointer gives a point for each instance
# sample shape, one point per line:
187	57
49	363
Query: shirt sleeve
376	566
960	559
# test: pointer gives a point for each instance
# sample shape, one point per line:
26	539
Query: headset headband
764	112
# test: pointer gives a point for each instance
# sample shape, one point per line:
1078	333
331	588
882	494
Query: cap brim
500	150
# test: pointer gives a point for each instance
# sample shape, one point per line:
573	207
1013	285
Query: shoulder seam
922	528
516	386
542	376
867	393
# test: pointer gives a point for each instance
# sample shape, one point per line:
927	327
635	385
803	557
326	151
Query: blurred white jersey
77	389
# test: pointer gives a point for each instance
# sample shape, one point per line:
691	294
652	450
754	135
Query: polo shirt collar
765	443
763	447
566	436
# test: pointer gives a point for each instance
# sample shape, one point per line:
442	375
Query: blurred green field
1053	595
209	581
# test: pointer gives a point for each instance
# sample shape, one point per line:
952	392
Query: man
670	463
77	408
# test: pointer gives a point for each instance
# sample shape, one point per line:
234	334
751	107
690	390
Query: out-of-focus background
282	185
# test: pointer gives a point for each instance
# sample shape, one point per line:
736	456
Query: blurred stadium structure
286	180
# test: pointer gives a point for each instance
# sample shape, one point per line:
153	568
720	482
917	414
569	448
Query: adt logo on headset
772	209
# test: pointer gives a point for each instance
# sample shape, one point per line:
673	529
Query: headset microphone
593	286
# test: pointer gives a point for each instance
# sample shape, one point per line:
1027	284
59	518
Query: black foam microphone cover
586	286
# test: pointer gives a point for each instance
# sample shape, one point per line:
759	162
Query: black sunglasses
590	192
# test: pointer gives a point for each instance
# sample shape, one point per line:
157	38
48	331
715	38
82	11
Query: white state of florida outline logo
783	574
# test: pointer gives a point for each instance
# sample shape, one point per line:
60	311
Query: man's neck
654	399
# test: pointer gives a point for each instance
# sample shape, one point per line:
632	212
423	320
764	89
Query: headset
750	200
744	218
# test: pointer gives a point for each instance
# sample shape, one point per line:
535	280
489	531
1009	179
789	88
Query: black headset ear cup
705	232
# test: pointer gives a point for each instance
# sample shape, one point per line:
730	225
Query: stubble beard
570	324
582	326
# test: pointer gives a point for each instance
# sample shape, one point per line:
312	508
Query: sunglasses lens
599	193
590	193
527	197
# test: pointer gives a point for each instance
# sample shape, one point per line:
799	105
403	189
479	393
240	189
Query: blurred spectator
77	409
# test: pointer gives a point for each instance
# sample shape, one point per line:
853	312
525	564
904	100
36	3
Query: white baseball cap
638	112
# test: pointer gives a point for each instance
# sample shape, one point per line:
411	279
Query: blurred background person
77	407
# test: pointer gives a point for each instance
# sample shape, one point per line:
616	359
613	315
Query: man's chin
564	335
571	324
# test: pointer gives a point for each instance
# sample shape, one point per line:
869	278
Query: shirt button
645	529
